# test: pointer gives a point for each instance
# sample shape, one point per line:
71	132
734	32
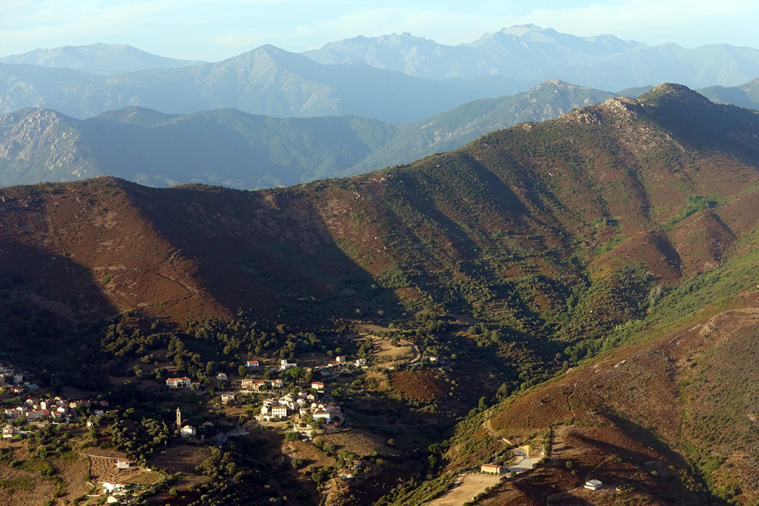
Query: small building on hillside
251	384
317	385
221	376
188	431
113	487
178	382
123	464
279	411
252	364
491	468
340	359
593	484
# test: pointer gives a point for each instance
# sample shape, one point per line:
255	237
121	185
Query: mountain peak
667	93
520	30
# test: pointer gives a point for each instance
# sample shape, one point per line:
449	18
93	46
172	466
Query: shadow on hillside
268	252
543	489
646	437
714	127
642	435
51	309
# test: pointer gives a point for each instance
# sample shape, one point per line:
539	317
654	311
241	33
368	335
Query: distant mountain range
99	59
394	78
531	54
236	149
266	81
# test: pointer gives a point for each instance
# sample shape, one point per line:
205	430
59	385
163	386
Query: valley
580	291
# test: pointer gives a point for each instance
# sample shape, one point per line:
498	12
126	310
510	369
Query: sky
216	30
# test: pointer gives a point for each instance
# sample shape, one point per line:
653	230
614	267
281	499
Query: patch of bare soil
180	459
385	351
466	488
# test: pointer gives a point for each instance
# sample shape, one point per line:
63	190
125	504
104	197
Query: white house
491	468
36	415
112	487
340	359
221	376
225	398
252	363
178	382
317	385
279	411
322	415
122	464
188	431
593	484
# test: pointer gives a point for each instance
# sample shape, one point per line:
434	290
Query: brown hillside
691	389
92	252
502	228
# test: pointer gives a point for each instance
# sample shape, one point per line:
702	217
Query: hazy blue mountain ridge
266	81
99	59
233	148
745	95
531	54
225	147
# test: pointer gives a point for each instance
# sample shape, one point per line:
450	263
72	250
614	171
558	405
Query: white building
593	484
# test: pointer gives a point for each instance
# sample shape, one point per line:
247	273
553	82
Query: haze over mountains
529	54
266	81
396	78
99	59
235	149
239	150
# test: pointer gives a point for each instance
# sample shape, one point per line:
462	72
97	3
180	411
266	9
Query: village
35	409
295	400
310	409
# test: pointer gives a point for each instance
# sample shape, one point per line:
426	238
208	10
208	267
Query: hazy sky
215	30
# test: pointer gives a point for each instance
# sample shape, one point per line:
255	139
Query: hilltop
558	201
